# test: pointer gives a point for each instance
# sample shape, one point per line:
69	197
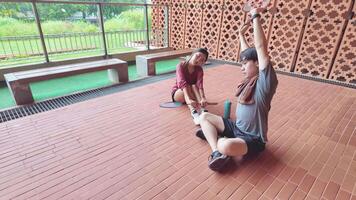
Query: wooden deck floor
123	146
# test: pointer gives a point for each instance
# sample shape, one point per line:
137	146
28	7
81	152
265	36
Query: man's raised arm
260	41
243	43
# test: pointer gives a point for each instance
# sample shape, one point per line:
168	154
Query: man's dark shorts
254	143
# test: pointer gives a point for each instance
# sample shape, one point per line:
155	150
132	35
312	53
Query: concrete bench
18	82
146	64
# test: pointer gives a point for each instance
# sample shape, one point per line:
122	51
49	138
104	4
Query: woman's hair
201	50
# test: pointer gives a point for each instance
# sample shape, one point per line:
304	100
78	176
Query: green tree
7	10
51	11
133	19
111	11
14	10
56	11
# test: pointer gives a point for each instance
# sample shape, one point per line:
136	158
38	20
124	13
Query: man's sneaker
217	161
195	116
200	134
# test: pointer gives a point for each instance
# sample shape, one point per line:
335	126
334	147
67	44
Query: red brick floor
123	146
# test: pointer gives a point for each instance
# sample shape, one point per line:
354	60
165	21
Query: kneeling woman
189	83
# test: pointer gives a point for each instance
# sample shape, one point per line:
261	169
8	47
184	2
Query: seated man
248	134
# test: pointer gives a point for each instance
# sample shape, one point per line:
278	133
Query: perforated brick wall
309	37
344	68
286	31
211	22
321	36
233	17
177	18
193	23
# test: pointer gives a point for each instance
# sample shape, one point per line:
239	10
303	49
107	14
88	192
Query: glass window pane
20	42
114	1
71	30
125	28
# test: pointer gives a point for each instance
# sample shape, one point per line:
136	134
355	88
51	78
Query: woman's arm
188	99
203	101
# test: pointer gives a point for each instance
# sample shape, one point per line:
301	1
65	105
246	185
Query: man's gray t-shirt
253	118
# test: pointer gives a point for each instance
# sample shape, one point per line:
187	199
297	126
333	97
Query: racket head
170	104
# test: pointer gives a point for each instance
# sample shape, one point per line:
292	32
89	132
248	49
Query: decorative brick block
320	41
344	68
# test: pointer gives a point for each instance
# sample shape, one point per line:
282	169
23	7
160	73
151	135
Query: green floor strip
64	86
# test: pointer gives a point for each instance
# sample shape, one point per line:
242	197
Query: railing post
147	27
101	21
167	25
34	7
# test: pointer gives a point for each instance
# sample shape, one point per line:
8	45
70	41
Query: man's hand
257	11
259	7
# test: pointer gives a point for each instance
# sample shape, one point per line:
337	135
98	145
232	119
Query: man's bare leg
232	146
211	125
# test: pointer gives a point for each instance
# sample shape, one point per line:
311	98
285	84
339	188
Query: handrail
28	37
83	2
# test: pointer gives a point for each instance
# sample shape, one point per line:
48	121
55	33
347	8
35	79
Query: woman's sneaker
218	161
195	116
203	110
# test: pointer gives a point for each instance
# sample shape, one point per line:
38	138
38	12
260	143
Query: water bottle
227	109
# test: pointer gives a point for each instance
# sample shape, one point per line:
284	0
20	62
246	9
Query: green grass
6	99
32	45
91	46
64	86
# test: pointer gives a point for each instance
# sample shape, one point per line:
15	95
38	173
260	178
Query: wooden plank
66	70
